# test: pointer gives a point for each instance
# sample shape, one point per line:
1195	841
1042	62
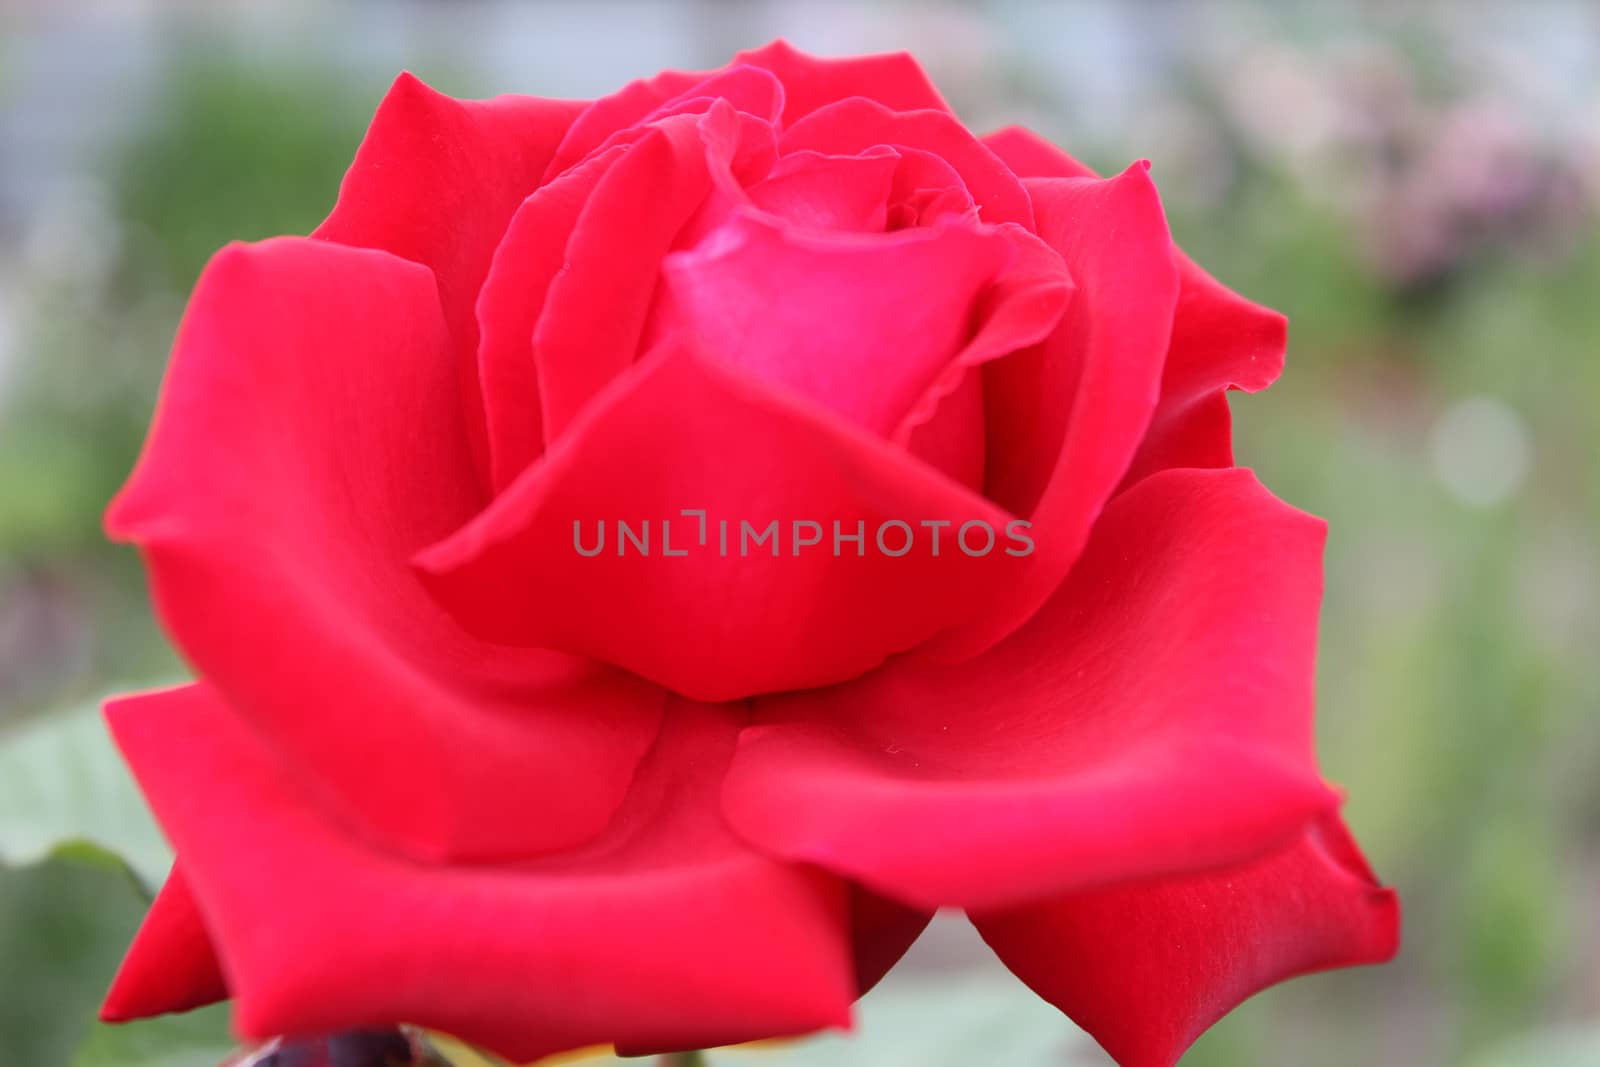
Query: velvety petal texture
171	965
532	252
594	316
306	445
643	557
1175	662
665	931
748	298
1220	340
761	464
1065	417
1146	967
435	182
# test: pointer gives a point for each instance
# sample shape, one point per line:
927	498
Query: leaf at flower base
194	1039
62	781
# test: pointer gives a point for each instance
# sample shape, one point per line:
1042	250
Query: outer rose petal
1220	340
170	966
435	182
1154	717
1146	968
305	445
664	932
681	432
1031	156
894	79
1065	417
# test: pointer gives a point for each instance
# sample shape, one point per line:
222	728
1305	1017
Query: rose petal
1220	340
951	440
946	425
859	323
664	932
1146	968
747	87
894	79
926	189
749	91
1065	417
1031	156
1154	717
828	192
807	311
594	314
626	107
683	432
856	124
435	181
532	253
600	228
170	966
304	447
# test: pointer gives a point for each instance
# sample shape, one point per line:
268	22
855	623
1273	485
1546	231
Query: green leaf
64	925
194	1039
62	781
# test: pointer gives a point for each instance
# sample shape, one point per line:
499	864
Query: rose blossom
441	769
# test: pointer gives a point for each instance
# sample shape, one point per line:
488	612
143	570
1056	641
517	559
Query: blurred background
1416	185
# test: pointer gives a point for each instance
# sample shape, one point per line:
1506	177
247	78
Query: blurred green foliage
234	153
63	927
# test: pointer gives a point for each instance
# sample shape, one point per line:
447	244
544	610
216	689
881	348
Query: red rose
452	764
